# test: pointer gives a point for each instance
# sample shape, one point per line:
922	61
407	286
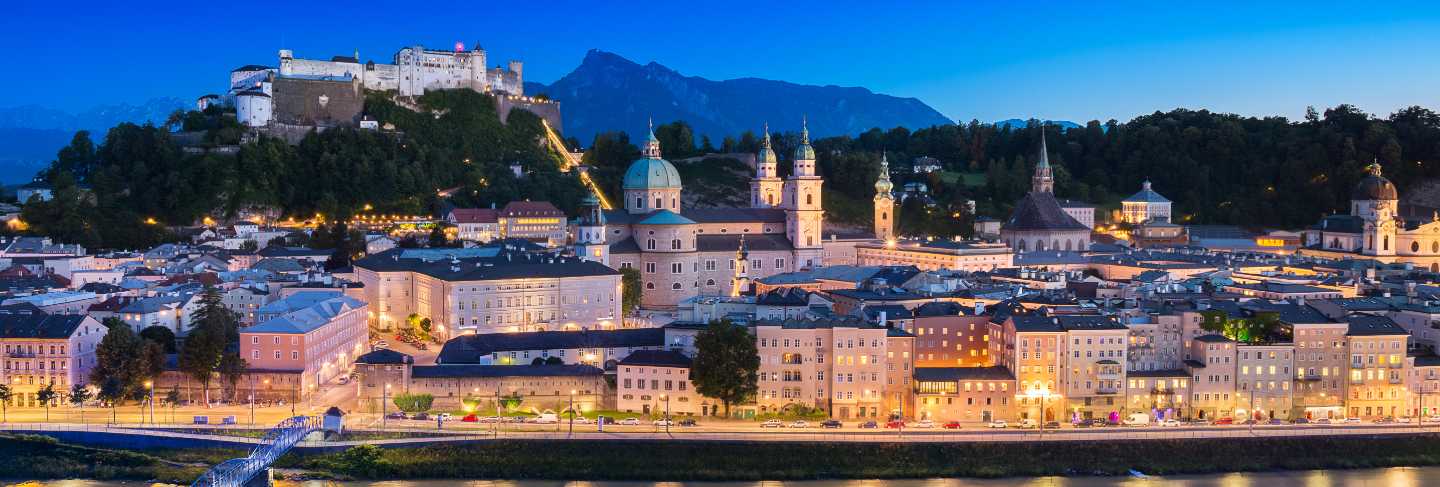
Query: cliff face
608	92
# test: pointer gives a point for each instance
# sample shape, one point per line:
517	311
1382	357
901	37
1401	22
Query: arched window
1054	245
809	199
658	202
709	282
1068	245
1039	245
884	216
649	285
1022	245
675	286
1335	244
639	202
675	203
1414	246
1385	243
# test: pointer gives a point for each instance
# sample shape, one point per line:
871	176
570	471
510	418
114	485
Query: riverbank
714	461
517	459
42	457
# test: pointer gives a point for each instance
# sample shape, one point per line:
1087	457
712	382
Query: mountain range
31	134
609	92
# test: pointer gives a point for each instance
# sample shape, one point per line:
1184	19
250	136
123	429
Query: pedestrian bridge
238	472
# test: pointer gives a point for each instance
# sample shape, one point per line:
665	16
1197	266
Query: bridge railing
278	440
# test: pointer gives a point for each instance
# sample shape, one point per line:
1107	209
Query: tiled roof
469	348
1369	325
530	208
665	217
735	215
1039	210
662	358
948	374
308	319
475	215
753	242
39	326
451	371
384	356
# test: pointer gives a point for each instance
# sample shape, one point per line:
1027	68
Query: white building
1144	206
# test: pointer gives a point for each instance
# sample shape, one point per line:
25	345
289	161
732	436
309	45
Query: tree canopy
726	364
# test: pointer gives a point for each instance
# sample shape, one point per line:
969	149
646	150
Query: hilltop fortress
309	93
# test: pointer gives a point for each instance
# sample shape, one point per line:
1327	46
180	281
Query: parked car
1052	425
799	423
397	415
1352	420
382	344
663	422
869	425
582	420
1085	423
470	418
830	423
1274	422
951	425
602	420
894	424
688	422
925	423
772	423
421	416
1027	423
1137	419
1170	423
998	424
630	422
1223	421
1322	421
344	379
1300	421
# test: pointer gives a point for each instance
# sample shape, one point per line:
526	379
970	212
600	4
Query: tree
232	368
78	395
204	349
553	360
161	335
437	237
629	290
124	357
112	390
413	403
5	395
249	246
173	397
47	395
726	363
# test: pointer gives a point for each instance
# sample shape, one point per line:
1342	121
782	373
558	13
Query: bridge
238	472
571	162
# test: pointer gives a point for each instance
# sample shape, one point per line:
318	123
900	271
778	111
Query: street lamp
666	397
384	398
150	386
572	413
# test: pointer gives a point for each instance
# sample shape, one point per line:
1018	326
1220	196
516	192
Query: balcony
1107	390
21	355
1395	379
1308	376
1396	365
1162	391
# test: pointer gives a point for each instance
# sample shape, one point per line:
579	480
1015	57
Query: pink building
319	341
45	349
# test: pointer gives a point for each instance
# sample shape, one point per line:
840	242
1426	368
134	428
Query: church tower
765	188
804	215
884	202
590	233
1043	181
740	283
1376	202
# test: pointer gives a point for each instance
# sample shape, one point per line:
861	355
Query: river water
1385	477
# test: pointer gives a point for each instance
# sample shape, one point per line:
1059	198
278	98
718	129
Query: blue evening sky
985	60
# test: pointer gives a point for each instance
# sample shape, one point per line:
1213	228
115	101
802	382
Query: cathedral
1374	228
684	252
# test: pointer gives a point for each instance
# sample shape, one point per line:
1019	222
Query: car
799	423
382	344
1352	420
1087	423
894	424
1170	423
1322	421
830	423
421	416
582	420
470	418
869	425
997	424
688	422
443	416
1052	425
396	415
772	423
344	379
951	425
1300	421
1433	419
1274	422
925	423
1384	420
1223	421
603	420
1027	423
630	422
663	422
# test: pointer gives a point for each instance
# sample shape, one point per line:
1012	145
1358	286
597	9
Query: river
1385	477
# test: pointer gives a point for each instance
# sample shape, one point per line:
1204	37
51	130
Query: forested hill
139	172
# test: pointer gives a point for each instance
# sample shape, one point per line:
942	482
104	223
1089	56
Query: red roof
474	215
531	208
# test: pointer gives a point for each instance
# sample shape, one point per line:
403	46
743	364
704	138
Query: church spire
883	184
1043	181
767	154
740	283
652	144
804	152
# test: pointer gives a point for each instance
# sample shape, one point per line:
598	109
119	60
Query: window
649	285
675	286
649	267
675	244
650	244
677	268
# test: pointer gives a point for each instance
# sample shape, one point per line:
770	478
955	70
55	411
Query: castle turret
590	232
1043	181
765	188
884	202
804	214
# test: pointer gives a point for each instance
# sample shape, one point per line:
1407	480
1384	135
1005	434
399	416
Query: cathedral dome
1374	186
651	171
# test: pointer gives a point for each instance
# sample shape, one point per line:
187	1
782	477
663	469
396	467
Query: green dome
652	173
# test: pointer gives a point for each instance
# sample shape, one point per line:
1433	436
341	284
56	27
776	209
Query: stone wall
548	110
318	102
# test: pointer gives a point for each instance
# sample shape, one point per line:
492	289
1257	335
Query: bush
414	403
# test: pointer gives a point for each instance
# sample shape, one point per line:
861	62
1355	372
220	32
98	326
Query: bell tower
590	233
804	214
765	188
884	202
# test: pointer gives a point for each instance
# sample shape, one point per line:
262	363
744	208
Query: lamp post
150	386
384	398
252	399
294	387
572	414
666	397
